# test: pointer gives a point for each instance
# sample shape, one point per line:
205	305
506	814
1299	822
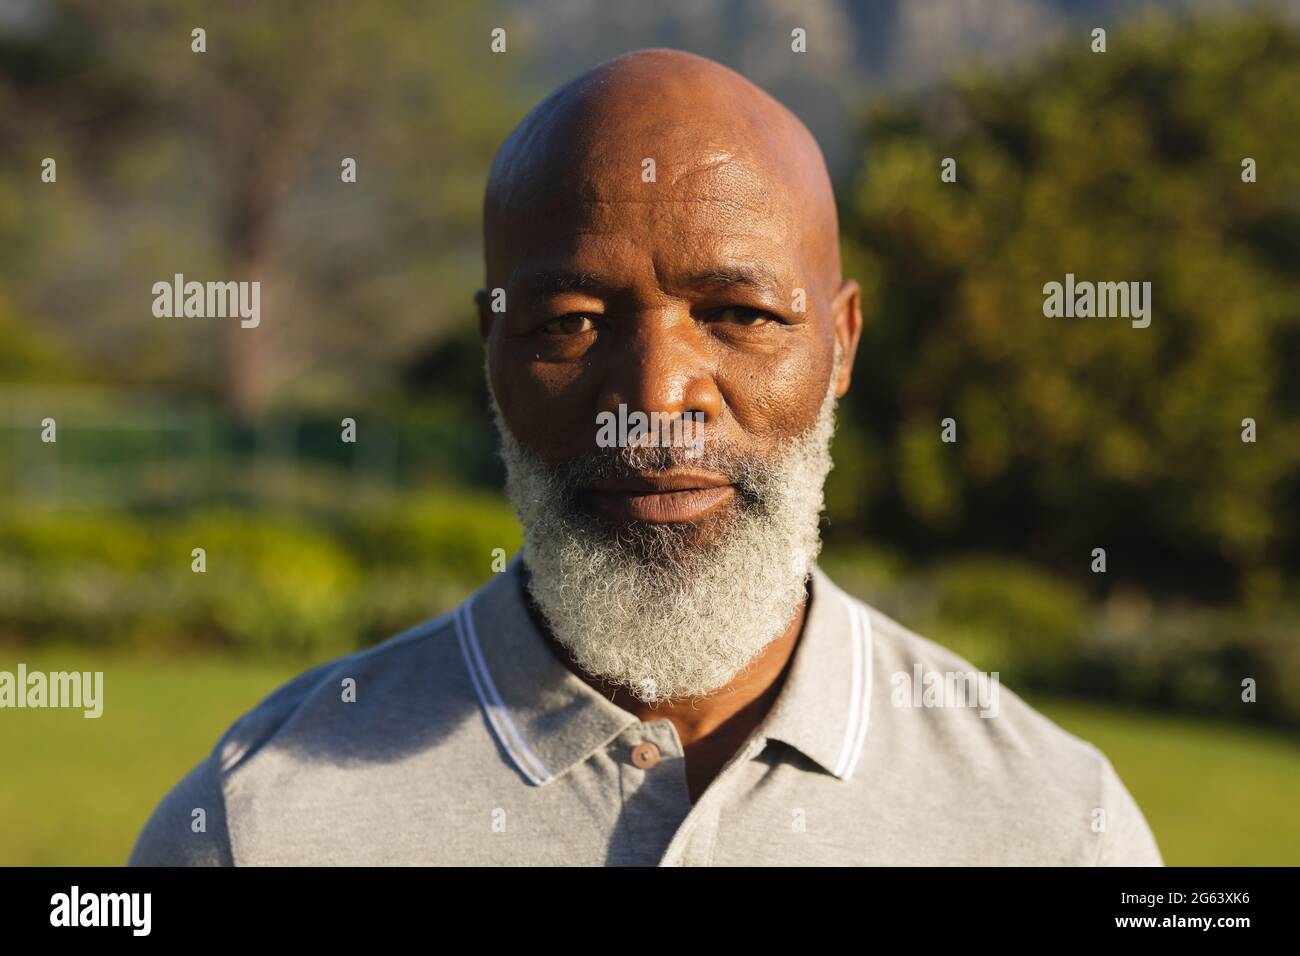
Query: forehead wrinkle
738	244
701	167
722	179
677	221
727	201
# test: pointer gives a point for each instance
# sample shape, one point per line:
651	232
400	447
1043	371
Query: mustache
749	474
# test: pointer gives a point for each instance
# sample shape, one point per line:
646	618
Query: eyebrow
541	284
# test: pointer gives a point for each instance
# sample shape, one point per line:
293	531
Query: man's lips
662	497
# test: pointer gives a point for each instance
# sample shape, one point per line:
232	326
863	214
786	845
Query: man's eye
573	324
743	316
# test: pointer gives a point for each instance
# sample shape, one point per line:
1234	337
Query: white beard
653	607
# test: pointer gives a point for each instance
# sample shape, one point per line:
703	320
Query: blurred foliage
1082	433
1041	632
226	164
274	584
27	355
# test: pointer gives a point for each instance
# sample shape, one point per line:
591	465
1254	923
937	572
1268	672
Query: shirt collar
824	707
546	719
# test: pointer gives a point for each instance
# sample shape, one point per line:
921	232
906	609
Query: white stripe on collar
498	716
855	734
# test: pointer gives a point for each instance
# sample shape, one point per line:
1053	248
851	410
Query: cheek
543	403
777	397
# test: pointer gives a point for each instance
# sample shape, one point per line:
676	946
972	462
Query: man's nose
664	366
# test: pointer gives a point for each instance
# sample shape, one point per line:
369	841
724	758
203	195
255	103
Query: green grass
1214	794
76	791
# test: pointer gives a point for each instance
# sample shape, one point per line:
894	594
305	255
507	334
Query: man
664	676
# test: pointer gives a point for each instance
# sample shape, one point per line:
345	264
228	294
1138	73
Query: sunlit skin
672	296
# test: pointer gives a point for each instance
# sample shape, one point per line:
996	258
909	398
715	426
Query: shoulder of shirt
259	726
1052	783
168	838
1018	739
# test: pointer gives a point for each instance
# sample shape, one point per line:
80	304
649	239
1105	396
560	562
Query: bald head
712	136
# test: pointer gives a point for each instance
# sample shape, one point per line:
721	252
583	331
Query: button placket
697	836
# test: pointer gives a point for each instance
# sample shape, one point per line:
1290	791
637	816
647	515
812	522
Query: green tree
226	164
1082	433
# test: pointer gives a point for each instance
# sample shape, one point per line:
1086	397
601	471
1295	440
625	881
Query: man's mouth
662	497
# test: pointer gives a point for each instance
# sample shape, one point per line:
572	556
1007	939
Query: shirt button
645	755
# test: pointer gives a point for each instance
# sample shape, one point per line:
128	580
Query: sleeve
1126	840
173	834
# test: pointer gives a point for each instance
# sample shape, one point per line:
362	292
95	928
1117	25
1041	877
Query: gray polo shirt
466	741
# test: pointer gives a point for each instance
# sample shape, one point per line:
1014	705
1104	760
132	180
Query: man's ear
846	307
483	301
